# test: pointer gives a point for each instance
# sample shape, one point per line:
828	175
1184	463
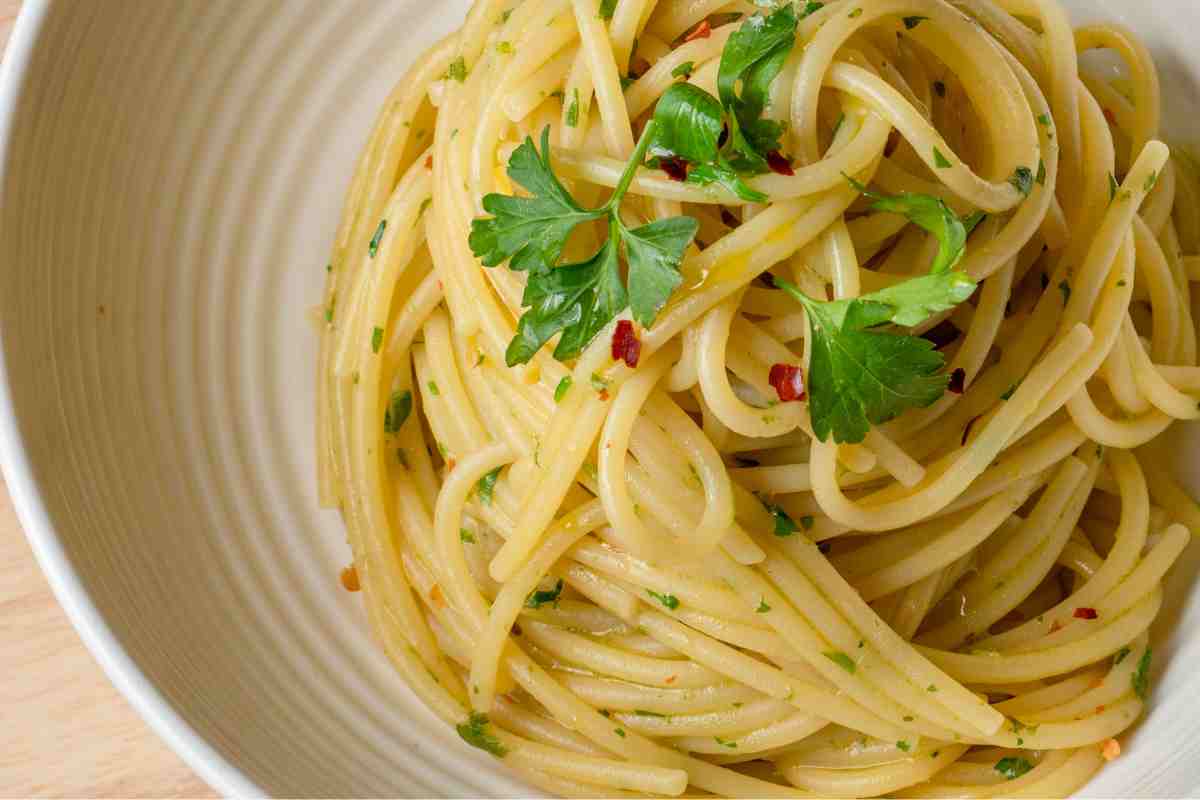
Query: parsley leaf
577	300
930	213
753	57
860	377
668	600
607	7
528	232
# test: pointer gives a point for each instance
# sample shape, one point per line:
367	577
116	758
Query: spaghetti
671	557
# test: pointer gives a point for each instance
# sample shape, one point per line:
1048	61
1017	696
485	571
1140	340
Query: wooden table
64	730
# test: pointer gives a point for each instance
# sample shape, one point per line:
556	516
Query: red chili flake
349	579
429	161
1110	116
788	381
729	219
967	430
625	344
675	167
1085	613
701	31
958	381
779	164
670	679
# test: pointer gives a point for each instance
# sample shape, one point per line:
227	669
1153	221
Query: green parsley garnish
940	160
903	746
1113	186
373	247
726	138
855	13
837	126
912	22
598	382
376	339
1141	678
860	377
505	48
466	536
763	608
538	598
619	732
1041	173
684	70
842	660
725	743
607	7
397	411
486	486
572	114
474	732
1151	180
641	712
563	387
577	300
811	7
433	388
1120	656
1044	119
668	600
457	70
1012	768
1065	288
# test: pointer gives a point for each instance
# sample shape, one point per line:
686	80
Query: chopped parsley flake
607	7
1041	173
487	486
573	110
433	388
1141	678
684	70
912	22
539	598
619	732
725	743
376	339
505	48
763	608
373	247
563	387
1120	656
457	70
397	411
940	160
668	600
842	660
1013	768
474	732
598	383
466	536
1065	288
904	746
1022	180
855	13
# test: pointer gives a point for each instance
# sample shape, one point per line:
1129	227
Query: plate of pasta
742	398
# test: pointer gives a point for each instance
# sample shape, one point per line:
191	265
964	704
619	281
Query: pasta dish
767	399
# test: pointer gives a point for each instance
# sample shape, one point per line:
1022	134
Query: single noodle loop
651	577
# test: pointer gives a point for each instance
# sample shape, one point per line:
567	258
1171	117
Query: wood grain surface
64	730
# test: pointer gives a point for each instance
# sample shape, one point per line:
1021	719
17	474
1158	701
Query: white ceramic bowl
171	175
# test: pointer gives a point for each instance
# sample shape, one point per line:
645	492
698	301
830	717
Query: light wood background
64	730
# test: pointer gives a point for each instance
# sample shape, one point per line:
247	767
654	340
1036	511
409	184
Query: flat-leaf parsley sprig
579	299
722	140
861	376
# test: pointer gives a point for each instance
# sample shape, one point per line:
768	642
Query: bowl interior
172	177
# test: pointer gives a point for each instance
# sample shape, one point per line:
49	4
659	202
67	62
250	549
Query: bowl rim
28	501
